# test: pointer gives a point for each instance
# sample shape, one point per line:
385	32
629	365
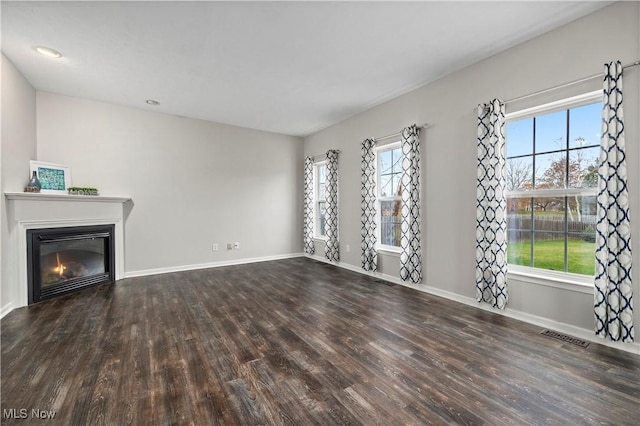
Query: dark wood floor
297	342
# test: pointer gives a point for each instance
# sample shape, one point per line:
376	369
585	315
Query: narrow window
389	171
320	197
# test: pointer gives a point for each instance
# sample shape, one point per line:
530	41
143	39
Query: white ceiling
285	67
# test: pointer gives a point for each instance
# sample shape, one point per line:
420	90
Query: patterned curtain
491	207
613	292
307	231
410	257
331	250
369	256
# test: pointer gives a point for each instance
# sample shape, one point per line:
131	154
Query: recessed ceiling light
152	102
48	52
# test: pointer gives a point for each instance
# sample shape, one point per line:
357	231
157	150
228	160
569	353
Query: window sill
390	251
320	239
562	280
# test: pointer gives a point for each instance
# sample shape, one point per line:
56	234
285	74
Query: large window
389	167
320	199
551	178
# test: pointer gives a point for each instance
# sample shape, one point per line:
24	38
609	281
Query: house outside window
551	182
320	176
389	187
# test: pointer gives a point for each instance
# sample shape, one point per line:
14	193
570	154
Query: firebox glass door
61	261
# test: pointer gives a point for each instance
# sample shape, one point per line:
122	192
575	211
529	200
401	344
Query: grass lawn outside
550	255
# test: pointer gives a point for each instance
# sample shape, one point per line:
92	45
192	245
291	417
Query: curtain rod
424	126
321	156
561	86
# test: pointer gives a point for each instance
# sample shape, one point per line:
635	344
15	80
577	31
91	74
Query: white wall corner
6	309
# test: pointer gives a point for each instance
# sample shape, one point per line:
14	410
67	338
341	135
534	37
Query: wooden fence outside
550	227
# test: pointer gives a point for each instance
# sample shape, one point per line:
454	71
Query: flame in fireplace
60	268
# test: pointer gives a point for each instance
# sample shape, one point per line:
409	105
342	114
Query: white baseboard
145	272
6	309
582	333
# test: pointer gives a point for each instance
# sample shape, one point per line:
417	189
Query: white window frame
316	201
379	246
560	279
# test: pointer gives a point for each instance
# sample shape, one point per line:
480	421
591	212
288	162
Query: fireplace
66	259
27	211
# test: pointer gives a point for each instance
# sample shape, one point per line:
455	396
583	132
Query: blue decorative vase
34	183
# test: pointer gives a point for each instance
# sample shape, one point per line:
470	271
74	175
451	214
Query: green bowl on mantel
82	191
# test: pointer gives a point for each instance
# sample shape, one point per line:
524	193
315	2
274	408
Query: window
320	199
389	167
551	180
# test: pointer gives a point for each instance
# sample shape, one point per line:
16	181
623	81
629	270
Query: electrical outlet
236	246
214	247
348	248
229	246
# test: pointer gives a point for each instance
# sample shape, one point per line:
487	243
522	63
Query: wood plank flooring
297	342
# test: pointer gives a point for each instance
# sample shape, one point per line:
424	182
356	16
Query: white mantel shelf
34	196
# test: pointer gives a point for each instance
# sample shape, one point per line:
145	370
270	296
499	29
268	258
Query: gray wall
18	146
448	161
193	183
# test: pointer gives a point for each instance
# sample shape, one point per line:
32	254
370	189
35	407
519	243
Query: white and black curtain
331	248
307	231
369	254
613	291
411	254
491	207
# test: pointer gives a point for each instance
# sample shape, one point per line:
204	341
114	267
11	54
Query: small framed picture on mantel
54	178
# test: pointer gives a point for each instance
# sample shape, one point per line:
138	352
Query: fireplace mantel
30	196
44	210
